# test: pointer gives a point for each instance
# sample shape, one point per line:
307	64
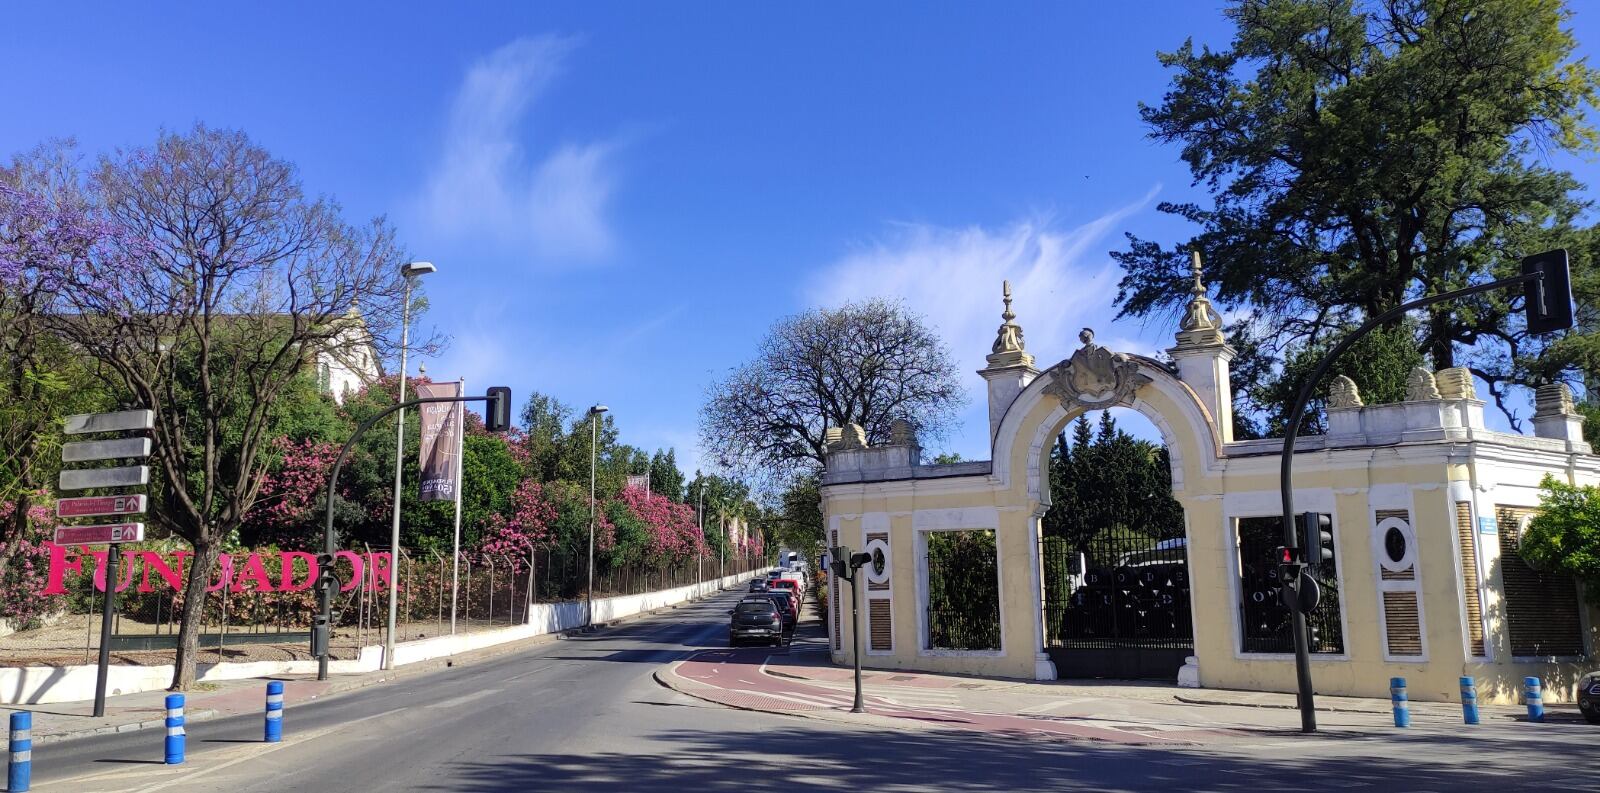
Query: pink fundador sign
246	573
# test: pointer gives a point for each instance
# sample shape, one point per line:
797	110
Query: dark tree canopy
1102	478
865	363
1360	153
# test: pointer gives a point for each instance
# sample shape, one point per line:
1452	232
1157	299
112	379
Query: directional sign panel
100	505
95	535
111	422
114	449
85	478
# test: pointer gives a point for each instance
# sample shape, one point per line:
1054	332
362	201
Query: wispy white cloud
1061	280
489	185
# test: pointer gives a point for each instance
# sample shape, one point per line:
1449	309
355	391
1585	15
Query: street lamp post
594	445
700	511
410	271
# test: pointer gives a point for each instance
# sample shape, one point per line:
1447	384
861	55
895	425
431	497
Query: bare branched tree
865	363
229	283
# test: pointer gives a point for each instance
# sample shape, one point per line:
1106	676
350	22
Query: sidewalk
147	710
802	681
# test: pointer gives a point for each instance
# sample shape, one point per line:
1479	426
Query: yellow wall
1215	488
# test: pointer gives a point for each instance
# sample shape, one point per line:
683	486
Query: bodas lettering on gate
244	573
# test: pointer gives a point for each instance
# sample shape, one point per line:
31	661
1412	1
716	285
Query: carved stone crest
1421	386
1342	393
1095	377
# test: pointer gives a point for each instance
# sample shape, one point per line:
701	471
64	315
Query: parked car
788	605
1589	697
786	583
758	585
755	618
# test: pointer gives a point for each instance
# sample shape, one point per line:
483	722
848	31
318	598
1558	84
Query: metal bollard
19	774
1402	706
1532	694
274	711
175	733
1469	701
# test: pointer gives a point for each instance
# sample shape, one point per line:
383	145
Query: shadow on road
843	759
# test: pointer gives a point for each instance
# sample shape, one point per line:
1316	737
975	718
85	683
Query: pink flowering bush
670	532
529	527
24	579
292	496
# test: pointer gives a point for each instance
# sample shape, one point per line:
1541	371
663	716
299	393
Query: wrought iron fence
244	623
963	591
1265	624
1120	588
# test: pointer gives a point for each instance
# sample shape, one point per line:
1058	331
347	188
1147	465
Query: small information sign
99	535
131	504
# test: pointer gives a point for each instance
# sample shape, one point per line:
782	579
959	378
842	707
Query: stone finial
1420	385
1342	393
1008	349
853	437
831	436
901	433
1456	383
1201	325
1553	399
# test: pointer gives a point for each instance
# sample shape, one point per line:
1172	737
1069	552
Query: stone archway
1131	581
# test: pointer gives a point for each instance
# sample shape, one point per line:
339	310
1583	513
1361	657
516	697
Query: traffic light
839	556
497	411
1548	299
1317	529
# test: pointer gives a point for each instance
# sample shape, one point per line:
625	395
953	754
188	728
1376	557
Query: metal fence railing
239	621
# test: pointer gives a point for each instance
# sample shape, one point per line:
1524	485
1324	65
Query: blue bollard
1402	707
175	734
1469	701
19	774
274	711
1532	694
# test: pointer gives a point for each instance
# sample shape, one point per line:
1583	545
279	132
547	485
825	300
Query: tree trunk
196	579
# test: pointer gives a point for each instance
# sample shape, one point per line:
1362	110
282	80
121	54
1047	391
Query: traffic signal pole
499	399
1302	653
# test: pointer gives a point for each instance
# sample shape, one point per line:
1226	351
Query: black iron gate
1116	605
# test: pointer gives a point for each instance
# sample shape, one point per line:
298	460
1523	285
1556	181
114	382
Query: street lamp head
596	410
414	269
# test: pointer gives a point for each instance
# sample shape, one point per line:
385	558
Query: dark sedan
755	618
1589	697
787	607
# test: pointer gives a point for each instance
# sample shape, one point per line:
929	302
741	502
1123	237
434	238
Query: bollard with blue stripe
1469	701
19	773
175	734
274	711
1402	706
1534	696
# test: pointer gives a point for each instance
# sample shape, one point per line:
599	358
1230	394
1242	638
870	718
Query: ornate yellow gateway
1425	582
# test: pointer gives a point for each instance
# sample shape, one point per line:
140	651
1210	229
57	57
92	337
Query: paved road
586	714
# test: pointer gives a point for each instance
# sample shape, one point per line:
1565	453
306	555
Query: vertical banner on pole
440	444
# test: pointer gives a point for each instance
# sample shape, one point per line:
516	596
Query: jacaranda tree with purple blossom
48	229
225	283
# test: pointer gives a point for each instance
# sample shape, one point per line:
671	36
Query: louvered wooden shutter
1468	540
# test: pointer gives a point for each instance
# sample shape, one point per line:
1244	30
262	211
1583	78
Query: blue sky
621	198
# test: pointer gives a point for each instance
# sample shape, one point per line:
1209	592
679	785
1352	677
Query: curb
189	716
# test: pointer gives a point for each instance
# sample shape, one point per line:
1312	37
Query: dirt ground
75	639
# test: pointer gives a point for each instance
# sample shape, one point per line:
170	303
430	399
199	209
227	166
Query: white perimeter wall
33	685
